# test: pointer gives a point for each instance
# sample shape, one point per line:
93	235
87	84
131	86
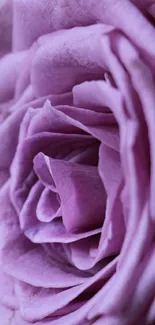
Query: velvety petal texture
77	162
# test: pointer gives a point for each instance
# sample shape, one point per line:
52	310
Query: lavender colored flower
77	162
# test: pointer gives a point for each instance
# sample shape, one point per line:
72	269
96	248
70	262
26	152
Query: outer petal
60	15
5	26
7	315
10	67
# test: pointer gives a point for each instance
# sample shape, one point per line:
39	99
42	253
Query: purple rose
77	165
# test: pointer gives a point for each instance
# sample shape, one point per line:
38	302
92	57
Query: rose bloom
77	162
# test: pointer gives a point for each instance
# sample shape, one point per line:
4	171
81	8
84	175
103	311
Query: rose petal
81	252
50	301
60	16
5	26
100	126
9	224
7	294
48	120
66	52
8	146
55	232
10	66
51	144
48	206
78	207
113	230
29	263
96	95
128	273
27	215
7	315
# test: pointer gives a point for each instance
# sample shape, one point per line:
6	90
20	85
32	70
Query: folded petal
37	303
29	263
73	183
73	52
